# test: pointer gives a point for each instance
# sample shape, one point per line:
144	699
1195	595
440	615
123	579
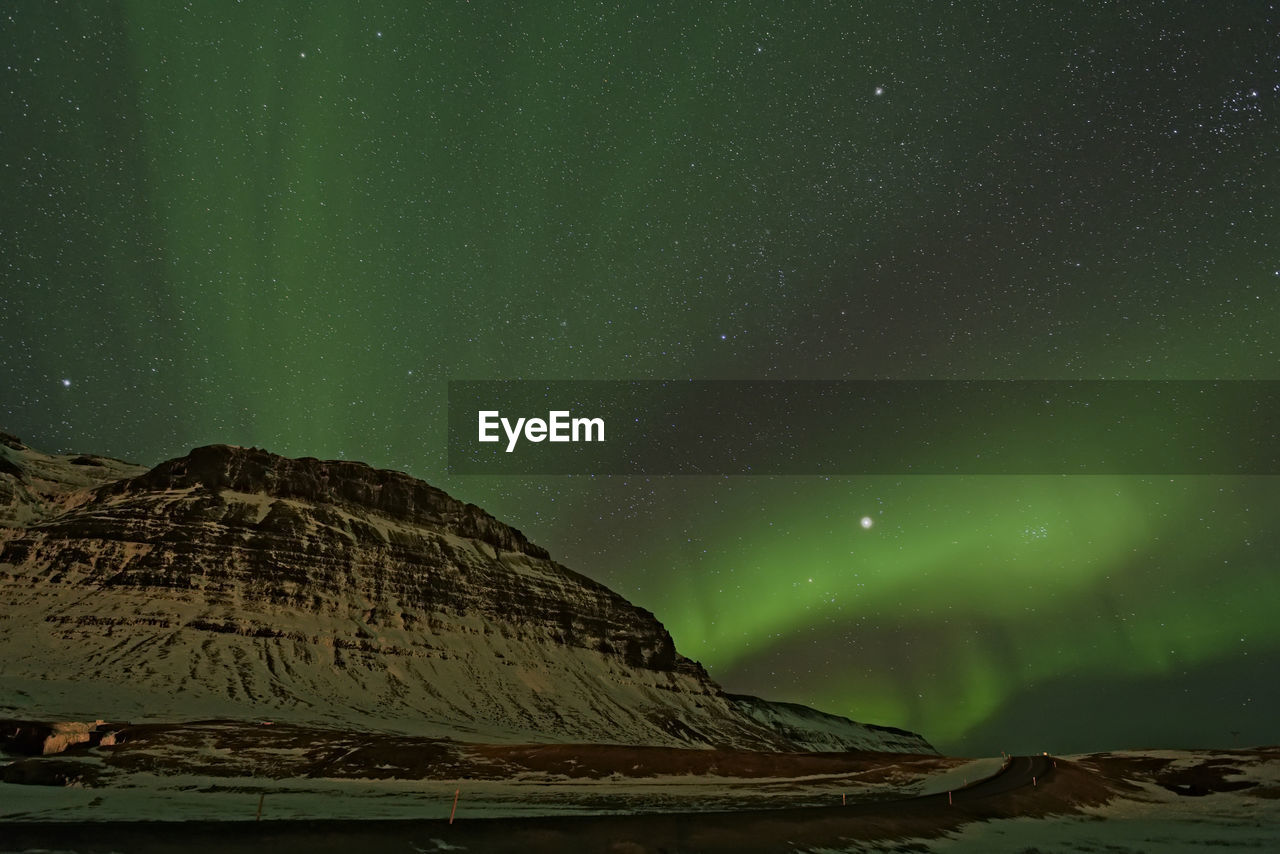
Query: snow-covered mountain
236	583
35	486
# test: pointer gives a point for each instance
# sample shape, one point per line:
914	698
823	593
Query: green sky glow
288	226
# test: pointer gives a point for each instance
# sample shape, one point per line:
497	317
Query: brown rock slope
236	583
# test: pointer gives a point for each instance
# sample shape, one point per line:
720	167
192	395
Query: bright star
866	522
66	383
879	90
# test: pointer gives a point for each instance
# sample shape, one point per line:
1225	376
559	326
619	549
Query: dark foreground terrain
764	830
1150	801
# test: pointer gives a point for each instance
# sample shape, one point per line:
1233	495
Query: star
66	383
879	90
866	522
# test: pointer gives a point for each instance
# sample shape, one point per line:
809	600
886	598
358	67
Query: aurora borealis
264	225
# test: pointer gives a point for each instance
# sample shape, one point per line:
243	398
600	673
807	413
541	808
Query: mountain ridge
235	581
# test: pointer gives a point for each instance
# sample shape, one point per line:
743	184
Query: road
740	831
1019	771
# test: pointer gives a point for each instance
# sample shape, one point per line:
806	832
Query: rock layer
234	582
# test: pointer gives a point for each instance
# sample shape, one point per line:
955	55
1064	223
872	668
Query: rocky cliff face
233	582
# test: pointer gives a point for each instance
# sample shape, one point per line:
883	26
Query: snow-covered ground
1119	803
957	777
1150	819
145	796
1229	822
220	770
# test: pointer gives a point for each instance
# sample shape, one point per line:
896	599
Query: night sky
289	225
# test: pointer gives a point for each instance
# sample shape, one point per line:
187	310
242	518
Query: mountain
34	486
236	583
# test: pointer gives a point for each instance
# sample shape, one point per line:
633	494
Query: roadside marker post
262	797
456	792
949	799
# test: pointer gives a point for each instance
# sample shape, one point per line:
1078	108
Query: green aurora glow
252	225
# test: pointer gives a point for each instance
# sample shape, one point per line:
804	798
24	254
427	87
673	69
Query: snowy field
144	796
1149	819
1115	803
